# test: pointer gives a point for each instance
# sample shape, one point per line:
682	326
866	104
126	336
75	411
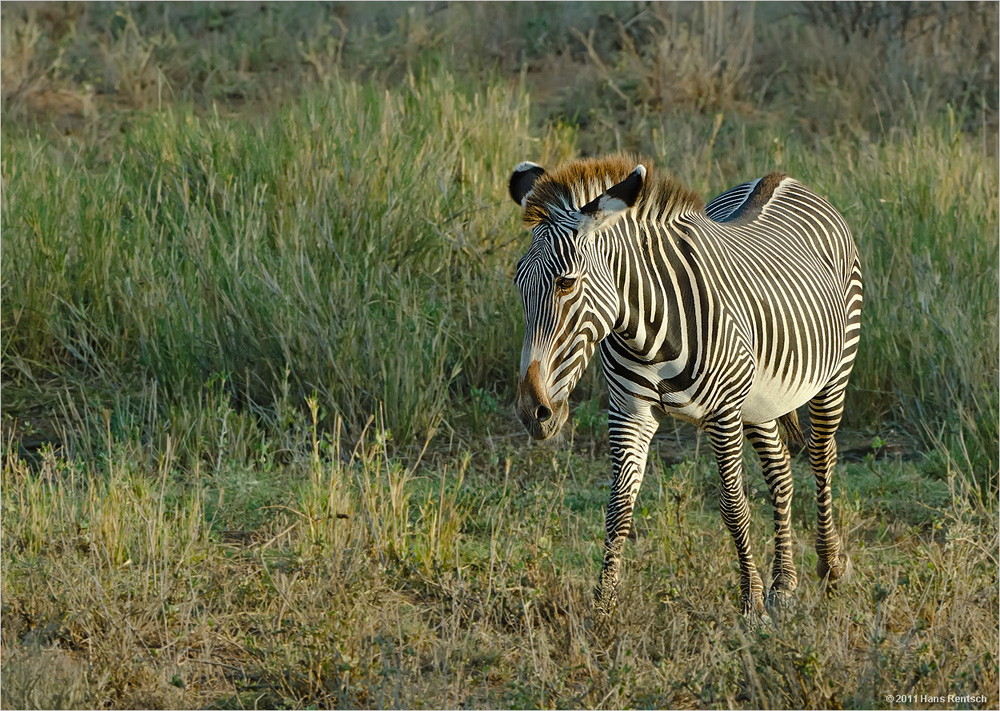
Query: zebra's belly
770	397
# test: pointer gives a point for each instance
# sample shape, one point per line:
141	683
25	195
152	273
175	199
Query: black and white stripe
730	315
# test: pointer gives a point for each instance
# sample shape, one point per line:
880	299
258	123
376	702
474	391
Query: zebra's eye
564	285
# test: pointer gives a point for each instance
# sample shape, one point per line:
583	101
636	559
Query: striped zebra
730	315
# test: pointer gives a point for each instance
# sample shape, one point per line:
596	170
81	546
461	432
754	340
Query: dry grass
466	582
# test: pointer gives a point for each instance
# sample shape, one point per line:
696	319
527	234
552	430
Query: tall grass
352	244
358	246
284	251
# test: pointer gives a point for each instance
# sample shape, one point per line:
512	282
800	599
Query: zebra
729	315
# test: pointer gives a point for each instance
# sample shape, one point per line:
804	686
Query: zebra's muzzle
539	415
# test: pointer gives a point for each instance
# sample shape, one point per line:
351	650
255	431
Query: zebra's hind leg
776	464
727	441
825	411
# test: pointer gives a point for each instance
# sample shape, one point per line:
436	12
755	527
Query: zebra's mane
575	184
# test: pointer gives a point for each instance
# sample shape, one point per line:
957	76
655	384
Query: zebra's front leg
630	435
726	433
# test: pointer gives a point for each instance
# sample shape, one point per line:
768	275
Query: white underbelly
769	398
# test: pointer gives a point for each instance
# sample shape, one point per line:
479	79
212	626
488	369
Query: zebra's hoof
605	602
601	622
754	613
758	621
837	574
778	600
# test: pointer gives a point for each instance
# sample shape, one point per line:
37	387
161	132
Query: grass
259	336
360	219
466	581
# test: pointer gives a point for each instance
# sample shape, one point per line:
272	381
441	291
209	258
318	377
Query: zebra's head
567	289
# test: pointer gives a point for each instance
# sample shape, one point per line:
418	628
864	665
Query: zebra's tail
793	432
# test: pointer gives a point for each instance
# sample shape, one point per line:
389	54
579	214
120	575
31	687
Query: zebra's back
777	212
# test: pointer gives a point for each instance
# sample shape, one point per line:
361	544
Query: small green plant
484	406
590	417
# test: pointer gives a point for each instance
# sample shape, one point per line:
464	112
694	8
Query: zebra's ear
606	208
522	181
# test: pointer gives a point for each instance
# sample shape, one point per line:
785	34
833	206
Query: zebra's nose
542	413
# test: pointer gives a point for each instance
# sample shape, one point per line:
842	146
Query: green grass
259	341
293	248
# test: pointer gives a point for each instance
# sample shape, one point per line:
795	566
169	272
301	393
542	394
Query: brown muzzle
541	417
